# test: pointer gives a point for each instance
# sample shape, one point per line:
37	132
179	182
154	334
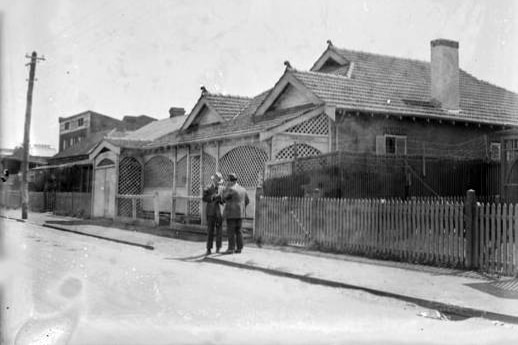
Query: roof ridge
332	75
228	96
337	49
468	74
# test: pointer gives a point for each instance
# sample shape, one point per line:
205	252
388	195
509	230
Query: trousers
235	236
213	228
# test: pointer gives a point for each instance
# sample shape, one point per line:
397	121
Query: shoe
228	252
208	252
238	251
217	250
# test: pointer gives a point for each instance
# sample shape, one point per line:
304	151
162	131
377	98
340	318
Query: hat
232	177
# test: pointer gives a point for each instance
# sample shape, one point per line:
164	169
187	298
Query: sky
134	57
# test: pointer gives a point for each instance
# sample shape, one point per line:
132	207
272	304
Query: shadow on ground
163	231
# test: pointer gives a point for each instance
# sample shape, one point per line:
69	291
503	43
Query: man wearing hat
236	200
212	196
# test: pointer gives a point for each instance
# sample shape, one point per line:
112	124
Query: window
80	122
64	144
394	145
494	151
67	126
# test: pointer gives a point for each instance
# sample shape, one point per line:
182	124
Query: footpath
445	293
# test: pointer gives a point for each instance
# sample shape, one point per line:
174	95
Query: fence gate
49	200
509	161
195	186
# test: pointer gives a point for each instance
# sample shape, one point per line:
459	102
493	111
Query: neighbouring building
75	128
70	170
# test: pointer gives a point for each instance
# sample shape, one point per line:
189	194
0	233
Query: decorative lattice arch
298	150
105	162
130	182
318	125
181	172
158	172
247	162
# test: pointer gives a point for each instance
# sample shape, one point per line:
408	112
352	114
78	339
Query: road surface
67	288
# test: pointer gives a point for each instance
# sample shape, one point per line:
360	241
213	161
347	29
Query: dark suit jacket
213	200
236	200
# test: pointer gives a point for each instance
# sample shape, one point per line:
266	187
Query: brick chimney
445	73
175	111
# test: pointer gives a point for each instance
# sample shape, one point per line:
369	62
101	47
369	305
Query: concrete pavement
456	294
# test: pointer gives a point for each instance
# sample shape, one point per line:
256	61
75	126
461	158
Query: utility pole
26	134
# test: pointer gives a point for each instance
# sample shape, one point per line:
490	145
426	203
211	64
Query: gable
206	116
288	93
289	97
202	113
331	61
330	65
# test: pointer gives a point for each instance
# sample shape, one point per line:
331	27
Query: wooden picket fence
415	231
497	228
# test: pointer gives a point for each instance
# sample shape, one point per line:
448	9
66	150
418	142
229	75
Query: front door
104	192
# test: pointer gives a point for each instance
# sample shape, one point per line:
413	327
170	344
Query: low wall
13	199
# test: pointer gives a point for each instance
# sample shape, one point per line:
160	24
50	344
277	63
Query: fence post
258	195
156	209
134	208
471	235
173	209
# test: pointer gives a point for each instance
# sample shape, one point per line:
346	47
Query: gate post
471	233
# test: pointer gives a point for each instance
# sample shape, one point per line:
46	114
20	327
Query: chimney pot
176	111
444	69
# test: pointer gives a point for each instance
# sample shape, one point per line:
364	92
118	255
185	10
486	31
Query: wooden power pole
26	134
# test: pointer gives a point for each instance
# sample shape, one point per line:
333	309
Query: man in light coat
236	200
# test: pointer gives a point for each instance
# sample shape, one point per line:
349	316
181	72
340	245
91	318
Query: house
348	101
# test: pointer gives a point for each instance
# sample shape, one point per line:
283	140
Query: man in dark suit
236	200
212	196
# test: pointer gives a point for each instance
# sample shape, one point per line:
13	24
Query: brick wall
358	134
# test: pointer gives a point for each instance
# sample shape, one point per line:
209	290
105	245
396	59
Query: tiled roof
240	125
157	129
227	106
396	85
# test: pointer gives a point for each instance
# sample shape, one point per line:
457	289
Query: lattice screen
316	163
158	172
181	172
317	125
194	206
247	162
299	150
130	182
209	168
